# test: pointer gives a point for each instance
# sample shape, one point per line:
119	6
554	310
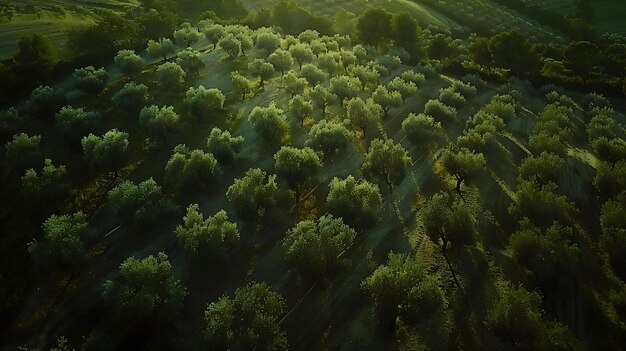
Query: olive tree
90	79
439	111
170	75
129	62
270	124
254	194
45	101
541	204
387	99
322	97
231	45
422	129
345	87
242	84
131	98
263	69
312	74
190	168
296	166
108	152
76	122
363	113
144	291
248	321
224	146
301	53
48	183
187	35
357	202
610	151
463	164
141	205
329	137
190	61
212	237
300	108
281	60
314	247
159	120
268	42
203	102
293	84
161	49
543	168
23	150
386	161
406	89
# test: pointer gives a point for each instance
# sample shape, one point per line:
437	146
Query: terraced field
50	23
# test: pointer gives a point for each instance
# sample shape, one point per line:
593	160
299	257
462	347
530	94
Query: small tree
406	89
23	150
270	123
281	60
129	62
253	194
242	84
329	137
322	97
300	108
610	151
362	114
263	69
203	102
357	202
161	49
211	237
543	168
463	165
439	110
312	74
248	321
386	161
75	122
190	61
448	222
345	87
422	129
141	205
190	168
159	120
187	35
213	33
90	79
268	42
231	45
314	247
45	101
387	99
296	166
223	145
144	291
48	183
108	152
62	246
293	84
541	204
131	98
170	75
301	53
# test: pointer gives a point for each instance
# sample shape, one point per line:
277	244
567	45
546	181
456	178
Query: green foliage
387	99
268	42
322	97
363	113
451	98
211	237
448	221
190	168
23	149
296	166
406	34
293	84
263	69
541	205
248	321
314	247
90	79
108	152
312	74
345	87
76	122
439	110
159	120
375	26
543	168
190	61
203	102
144	291
170	75
131	98
329	137
45	102
50	181
162	48
254	194
357	202
129	62
301	53
281	60
242	84
610	180
463	164
271	124
187	35
610	151
140	204
62	245
603	124
513	51
402	288
36	56
405	88
224	146
300	108
422	129
386	161
231	45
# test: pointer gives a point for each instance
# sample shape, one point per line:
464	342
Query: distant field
560	6
610	16
52	24
426	16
